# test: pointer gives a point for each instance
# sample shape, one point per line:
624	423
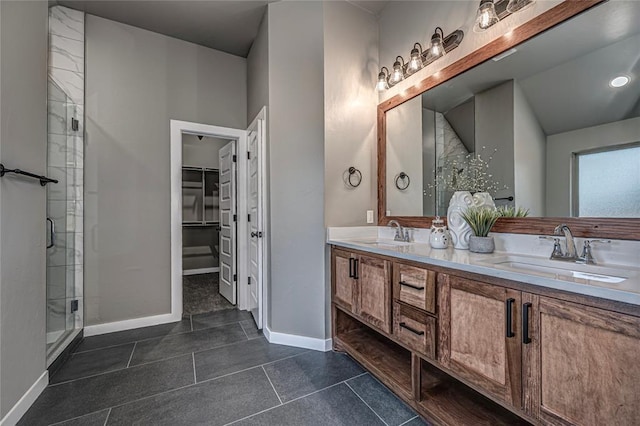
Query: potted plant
511	211
481	220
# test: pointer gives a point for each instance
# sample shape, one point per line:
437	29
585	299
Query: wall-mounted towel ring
402	181
355	177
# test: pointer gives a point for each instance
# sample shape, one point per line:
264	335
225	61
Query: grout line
107	419
245	331
131	356
193	358
365	403
80	416
271	383
412	418
295	399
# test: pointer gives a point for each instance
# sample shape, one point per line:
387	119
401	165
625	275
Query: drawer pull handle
413	330
411	285
355	268
509	316
525	323
351	259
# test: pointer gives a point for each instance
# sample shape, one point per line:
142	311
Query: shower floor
200	294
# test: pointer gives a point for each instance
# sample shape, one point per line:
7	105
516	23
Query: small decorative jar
439	238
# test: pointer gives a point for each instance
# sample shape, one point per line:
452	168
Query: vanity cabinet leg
416	382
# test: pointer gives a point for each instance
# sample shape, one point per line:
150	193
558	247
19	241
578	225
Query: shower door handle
52	230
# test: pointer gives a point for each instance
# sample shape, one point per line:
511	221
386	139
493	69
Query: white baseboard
323	345
200	271
110	327
15	414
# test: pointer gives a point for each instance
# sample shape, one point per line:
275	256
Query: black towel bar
43	179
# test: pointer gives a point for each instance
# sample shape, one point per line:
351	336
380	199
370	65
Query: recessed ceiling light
619	81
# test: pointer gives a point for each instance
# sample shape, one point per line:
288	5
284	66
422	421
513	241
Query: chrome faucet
401	235
570	254
570	245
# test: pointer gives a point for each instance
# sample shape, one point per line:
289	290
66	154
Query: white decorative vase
483	199
459	229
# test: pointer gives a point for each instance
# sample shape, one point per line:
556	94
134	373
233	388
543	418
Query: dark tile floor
212	369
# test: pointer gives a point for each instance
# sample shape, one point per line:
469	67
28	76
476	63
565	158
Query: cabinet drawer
415	286
415	329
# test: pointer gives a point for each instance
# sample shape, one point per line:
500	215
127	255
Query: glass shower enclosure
64	221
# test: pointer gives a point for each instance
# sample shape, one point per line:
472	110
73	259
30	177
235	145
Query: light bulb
486	16
437	47
382	84
415	63
396	75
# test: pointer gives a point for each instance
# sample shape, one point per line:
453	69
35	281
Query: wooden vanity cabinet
581	365
460	350
343	284
362	285
479	335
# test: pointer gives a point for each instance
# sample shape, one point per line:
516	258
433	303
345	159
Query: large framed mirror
553	109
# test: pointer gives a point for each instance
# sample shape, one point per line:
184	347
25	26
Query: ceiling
229	26
565	72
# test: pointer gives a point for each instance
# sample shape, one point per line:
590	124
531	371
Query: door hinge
249	217
235	277
248	155
235	158
74	306
249	280
235	217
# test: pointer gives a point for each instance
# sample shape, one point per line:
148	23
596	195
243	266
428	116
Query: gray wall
494	130
258	71
296	156
529	156
136	81
350	74
560	148
23	144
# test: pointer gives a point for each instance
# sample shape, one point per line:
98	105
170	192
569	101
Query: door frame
264	188
178	128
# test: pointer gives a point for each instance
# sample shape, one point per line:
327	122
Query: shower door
64	221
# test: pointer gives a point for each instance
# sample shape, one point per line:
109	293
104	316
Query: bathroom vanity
464	341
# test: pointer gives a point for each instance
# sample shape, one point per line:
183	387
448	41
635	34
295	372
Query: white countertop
627	291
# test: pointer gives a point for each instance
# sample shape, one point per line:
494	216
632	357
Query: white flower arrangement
470	173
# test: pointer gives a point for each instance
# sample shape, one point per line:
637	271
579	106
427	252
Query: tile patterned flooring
211	369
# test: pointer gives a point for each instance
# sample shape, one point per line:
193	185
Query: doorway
209	235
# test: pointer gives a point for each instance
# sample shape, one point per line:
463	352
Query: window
608	182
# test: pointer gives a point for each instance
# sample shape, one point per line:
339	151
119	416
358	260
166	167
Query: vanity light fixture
490	12
397	75
419	58
619	81
486	16
383	79
415	61
437	49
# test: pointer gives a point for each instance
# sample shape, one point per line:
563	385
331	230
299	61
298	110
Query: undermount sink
567	271
383	243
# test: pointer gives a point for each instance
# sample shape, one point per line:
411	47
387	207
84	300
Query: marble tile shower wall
65	163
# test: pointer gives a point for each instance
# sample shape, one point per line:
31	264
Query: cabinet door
343	282
583	367
374	288
480	335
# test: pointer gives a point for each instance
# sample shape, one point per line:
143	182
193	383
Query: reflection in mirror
560	138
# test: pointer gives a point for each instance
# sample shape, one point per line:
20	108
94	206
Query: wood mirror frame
617	228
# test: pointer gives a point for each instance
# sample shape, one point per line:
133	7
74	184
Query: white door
254	206
227	155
